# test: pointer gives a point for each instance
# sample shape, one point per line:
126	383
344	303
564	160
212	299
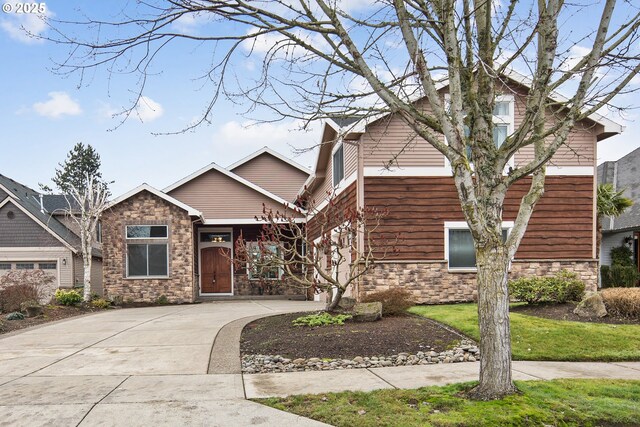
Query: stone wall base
430	282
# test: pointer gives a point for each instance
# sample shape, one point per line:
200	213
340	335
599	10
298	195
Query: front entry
215	270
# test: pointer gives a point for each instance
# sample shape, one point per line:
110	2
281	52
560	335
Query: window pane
24	266
137	260
215	237
461	251
146	231
501	108
499	134
338	165
5	266
158	260
47	266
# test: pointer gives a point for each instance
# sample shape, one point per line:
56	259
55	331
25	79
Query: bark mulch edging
273	344
52	313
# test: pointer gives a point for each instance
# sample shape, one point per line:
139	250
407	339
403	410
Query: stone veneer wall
145	208
430	282
243	286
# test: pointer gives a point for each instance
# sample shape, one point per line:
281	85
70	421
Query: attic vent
11	215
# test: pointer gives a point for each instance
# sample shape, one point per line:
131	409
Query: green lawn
535	338
558	402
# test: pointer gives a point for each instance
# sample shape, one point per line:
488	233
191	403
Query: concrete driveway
134	367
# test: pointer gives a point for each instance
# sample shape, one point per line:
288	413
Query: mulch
565	312
51	314
276	335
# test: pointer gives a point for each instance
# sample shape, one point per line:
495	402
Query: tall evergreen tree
82	162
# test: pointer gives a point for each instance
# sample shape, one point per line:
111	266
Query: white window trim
250	276
128	276
462	225
508	120
339	145
126	232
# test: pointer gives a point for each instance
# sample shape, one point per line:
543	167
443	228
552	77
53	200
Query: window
147	231
99	232
147	260
24	266
338	164
5	266
214	237
263	257
47	266
459	247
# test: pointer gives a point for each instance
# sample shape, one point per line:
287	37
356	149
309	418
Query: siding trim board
446	171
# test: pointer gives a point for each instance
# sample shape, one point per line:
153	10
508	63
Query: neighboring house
178	242
623	174
435	257
36	233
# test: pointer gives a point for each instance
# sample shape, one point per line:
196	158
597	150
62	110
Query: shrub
18	286
394	301
12	297
622	255
564	286
618	276
16	315
321	319
101	303
68	297
162	300
622	302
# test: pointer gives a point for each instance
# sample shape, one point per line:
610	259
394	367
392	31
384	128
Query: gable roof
28	200
146	187
353	127
218	168
267	150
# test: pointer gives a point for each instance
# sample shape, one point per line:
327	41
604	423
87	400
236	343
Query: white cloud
59	104
243	138
148	110
190	23
25	27
576	53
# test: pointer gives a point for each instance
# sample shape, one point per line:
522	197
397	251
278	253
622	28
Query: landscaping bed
51	313
540	403
274	344
565	312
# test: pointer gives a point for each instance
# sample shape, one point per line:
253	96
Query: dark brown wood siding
560	228
346	199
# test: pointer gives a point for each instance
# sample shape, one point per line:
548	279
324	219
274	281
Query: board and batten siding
610	241
273	175
22	231
561	226
218	196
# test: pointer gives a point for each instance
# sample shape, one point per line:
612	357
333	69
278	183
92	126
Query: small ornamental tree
80	180
335	248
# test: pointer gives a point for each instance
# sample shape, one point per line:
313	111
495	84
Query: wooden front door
215	271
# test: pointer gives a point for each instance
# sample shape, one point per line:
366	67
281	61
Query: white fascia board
373	171
244	221
570	170
40	223
146	187
275	154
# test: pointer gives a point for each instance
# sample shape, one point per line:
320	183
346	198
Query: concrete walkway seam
103	398
382	378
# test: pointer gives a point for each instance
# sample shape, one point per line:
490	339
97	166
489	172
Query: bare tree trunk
336	296
493	316
86	261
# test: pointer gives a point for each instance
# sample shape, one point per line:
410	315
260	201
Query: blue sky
43	114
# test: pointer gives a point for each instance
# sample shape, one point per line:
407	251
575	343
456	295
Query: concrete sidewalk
315	382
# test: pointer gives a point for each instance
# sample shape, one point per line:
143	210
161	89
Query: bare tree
86	204
326	58
323	259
